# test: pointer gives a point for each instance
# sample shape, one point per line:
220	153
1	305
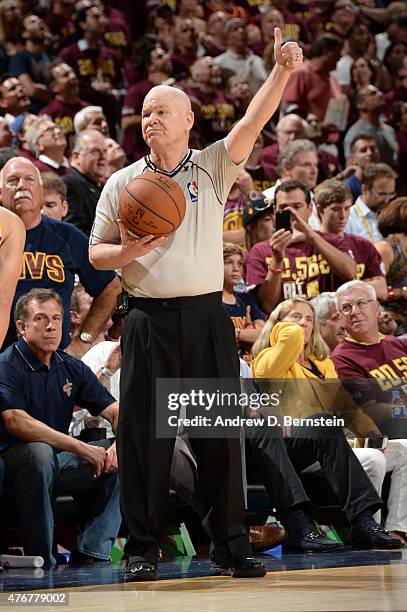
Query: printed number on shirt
65	123
86	67
305	267
360	270
388	377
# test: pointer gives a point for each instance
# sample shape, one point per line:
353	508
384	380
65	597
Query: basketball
152	203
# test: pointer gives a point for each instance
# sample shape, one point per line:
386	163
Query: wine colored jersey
133	141
57	24
300	10
215	115
262	178
92	63
62	114
311	90
384	361
117	35
367	259
305	271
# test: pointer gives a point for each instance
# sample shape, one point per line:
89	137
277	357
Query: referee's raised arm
242	137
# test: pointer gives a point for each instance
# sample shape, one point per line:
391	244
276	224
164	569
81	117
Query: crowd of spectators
74	77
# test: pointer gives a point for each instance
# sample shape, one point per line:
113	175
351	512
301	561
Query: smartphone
283	220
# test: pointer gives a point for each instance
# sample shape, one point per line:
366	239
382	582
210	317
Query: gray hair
13	159
80	120
355	284
286	157
34	132
81	145
322	304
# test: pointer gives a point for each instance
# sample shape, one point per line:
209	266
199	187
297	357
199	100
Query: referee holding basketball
176	327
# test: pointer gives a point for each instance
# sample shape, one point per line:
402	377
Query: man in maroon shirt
214	115
312	87
299	262
214	41
186	45
157	62
117	35
95	64
64	83
336	19
334	201
59	20
372	365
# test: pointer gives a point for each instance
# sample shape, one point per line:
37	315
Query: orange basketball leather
152	203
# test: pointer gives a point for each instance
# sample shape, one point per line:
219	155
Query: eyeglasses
48	130
383	194
346	309
188	29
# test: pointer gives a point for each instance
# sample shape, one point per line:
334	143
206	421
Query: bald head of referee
166	121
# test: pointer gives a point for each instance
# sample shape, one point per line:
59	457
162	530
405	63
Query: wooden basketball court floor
367	581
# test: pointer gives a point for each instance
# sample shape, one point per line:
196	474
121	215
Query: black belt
188	301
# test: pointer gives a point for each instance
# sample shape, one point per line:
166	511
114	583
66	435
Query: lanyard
365	223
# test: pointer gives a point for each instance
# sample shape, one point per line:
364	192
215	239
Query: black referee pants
183	337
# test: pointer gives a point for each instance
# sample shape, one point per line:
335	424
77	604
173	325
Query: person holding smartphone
296	261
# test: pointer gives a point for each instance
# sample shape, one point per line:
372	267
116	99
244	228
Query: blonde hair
316	347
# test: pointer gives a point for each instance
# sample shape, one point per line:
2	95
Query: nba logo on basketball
193	191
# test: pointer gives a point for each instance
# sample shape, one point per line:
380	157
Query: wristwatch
106	372
85	337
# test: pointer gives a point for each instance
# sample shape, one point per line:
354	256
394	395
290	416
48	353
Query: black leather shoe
244	567
311	542
140	570
373	536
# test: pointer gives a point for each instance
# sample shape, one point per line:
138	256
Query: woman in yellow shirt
291	349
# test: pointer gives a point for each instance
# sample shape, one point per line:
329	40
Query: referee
177	327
